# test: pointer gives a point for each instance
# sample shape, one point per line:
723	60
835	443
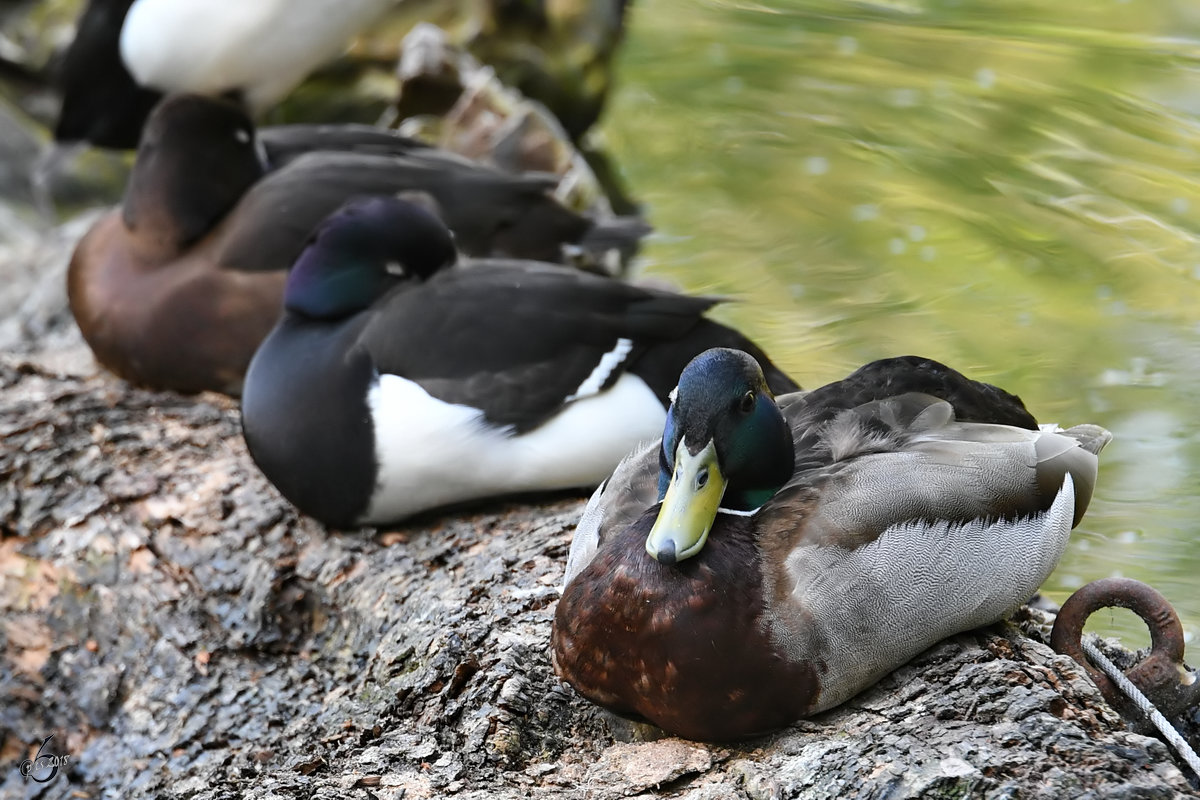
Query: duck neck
747	499
170	204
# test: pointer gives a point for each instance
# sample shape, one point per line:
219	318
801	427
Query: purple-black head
362	250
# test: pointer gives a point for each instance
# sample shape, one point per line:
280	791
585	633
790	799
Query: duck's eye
747	402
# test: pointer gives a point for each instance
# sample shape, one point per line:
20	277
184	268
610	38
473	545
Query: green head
725	444
361	251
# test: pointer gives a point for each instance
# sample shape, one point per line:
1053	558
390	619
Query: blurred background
1009	187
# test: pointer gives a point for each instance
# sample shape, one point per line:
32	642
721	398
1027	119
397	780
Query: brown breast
683	645
164	319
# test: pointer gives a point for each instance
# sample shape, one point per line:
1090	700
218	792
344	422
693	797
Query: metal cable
1131	691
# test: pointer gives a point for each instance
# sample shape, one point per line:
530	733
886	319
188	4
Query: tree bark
183	632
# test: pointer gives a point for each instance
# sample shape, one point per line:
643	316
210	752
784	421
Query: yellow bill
689	506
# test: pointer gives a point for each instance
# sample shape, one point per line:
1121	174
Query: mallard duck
769	559
395	384
177	288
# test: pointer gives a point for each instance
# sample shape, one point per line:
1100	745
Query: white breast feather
433	453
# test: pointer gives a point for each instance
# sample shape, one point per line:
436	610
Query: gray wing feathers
955	471
952	528
913	586
1072	451
616	504
586	540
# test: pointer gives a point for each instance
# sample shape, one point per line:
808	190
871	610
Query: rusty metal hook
1161	675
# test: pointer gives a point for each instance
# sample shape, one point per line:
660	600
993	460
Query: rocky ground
184	633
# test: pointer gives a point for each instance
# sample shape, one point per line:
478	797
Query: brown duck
177	287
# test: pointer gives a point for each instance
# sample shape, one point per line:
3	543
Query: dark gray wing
517	339
490	212
285	143
973	401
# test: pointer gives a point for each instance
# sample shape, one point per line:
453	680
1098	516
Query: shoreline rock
184	633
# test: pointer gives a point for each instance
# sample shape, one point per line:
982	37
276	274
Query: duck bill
689	506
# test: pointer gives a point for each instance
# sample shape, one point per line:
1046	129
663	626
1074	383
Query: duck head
361	251
197	157
725	444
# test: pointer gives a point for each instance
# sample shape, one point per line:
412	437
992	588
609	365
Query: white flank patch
434	453
608	362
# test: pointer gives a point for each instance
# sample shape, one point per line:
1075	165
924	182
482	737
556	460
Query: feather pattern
920	504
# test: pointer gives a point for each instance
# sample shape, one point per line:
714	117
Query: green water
1010	187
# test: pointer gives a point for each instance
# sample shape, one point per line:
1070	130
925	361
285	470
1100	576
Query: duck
177	287
770	557
400	381
126	55
254	50
101	102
